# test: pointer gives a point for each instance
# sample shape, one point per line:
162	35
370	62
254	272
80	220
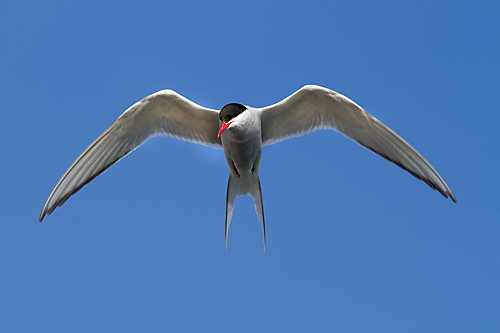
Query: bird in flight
241	131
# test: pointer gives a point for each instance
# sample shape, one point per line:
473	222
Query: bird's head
228	115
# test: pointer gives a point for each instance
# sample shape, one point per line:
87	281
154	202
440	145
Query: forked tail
256	193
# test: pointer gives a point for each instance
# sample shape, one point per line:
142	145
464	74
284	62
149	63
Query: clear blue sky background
354	242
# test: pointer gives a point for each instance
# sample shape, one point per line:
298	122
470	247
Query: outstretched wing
162	113
313	107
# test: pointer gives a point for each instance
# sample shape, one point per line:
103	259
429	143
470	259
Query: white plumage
244	131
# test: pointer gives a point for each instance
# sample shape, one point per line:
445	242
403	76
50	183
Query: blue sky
353	242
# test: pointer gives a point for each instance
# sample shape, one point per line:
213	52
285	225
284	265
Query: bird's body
242	144
241	131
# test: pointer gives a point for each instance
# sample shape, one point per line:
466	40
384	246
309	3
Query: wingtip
448	194
226	232
264	235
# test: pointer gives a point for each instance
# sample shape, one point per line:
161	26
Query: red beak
223	127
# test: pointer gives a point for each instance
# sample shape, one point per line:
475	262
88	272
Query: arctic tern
241	131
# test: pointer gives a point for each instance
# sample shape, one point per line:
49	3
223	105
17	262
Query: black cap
230	111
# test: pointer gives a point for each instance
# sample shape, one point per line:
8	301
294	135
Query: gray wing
162	113
313	107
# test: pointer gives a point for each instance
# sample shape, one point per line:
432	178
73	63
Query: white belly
243	158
